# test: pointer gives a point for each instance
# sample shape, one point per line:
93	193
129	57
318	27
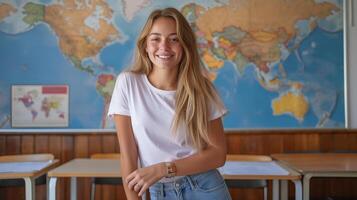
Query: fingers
135	181
143	189
137	187
141	179
131	184
130	177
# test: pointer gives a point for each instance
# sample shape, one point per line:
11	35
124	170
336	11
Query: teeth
164	57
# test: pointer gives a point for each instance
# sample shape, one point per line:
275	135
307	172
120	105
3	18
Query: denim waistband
189	180
171	179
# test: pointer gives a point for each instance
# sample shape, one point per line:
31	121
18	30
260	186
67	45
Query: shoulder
129	76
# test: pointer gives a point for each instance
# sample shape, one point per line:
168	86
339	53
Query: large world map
276	63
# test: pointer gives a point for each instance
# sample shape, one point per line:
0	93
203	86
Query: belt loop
191	182
162	190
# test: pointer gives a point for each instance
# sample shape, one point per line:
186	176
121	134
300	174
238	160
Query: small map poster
40	105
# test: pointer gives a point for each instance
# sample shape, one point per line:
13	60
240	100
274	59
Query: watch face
171	169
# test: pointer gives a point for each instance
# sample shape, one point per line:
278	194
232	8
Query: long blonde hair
195	94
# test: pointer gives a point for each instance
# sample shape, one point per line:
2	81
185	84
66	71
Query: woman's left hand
141	179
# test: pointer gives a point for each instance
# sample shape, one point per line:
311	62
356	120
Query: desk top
27	172
319	162
111	168
87	168
252	170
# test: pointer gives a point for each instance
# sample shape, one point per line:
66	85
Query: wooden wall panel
68	146
2	144
13	144
81	151
67	153
42	144
108	146
109	143
55	147
27	144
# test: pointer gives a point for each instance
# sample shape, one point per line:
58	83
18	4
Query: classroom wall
352	61
67	146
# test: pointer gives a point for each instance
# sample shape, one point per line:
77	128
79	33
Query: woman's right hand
141	179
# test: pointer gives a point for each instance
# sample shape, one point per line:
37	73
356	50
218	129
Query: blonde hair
195	94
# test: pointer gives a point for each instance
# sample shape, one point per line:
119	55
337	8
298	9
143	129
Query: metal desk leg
298	189
265	192
275	189
306	186
73	188
284	190
30	188
52	188
47	187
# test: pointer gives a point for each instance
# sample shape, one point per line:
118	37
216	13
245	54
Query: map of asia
276	63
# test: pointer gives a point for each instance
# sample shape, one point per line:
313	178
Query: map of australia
275	63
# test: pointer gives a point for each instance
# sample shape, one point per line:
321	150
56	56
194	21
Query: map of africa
276	63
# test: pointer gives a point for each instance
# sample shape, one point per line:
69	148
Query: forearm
126	169
205	160
129	152
212	157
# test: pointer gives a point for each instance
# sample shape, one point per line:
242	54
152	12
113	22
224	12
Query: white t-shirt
152	112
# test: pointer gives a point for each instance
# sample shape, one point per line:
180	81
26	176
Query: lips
166	56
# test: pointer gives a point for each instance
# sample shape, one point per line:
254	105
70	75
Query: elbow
222	158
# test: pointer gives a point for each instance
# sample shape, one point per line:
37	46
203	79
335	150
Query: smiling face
162	44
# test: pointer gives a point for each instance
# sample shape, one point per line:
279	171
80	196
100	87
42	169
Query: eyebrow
159	34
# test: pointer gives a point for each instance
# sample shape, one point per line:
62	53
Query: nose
164	44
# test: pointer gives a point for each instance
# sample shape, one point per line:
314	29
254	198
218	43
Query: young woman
168	116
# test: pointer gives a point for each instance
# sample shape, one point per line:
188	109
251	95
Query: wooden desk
250	170
83	168
111	168
28	175
320	165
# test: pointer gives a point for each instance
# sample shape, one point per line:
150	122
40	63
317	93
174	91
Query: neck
163	79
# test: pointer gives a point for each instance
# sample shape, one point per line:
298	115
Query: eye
175	39
154	39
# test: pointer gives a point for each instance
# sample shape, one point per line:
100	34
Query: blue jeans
207	185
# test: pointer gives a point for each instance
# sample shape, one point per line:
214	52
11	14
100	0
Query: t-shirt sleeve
217	111
119	102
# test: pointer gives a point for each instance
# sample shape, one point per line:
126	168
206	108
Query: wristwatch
170	169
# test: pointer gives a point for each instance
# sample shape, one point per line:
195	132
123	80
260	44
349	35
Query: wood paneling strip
81	151
13	145
2	145
27	144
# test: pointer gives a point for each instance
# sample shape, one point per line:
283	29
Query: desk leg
284	190
52	188
47	187
306	186
73	188
30	188
298	189
275	189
